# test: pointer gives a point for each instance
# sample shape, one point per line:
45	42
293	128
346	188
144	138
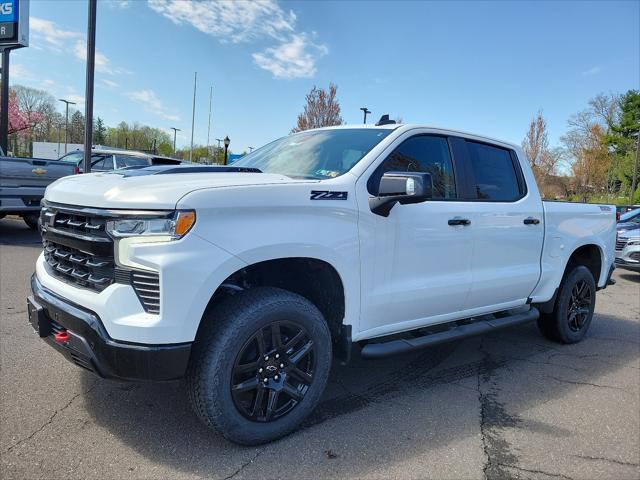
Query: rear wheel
259	365
573	310
31	220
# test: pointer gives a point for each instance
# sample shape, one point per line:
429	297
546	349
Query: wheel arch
315	279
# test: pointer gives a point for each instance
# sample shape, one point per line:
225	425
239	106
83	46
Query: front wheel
573	310
259	365
31	220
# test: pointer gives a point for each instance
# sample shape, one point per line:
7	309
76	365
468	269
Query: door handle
459	221
531	221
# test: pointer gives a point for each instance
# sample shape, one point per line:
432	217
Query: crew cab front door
415	265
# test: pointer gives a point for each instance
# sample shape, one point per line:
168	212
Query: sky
482	67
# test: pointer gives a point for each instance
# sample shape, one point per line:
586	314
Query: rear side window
124	161
494	175
422	153
74	157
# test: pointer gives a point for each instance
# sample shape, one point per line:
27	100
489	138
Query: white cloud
118	3
47	34
293	59
152	104
102	63
295	55
592	71
110	83
20	72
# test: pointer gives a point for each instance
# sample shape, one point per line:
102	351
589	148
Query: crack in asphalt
51	419
588	384
246	464
605	459
554	475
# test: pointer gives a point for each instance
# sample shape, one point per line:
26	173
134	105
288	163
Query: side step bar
395	347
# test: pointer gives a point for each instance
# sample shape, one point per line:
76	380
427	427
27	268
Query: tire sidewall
220	357
580	273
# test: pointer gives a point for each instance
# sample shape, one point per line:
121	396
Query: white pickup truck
250	279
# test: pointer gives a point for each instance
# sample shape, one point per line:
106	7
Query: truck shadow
408	404
13	231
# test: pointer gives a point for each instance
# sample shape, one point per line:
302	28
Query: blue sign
8	11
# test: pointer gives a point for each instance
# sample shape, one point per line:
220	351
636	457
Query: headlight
633	242
172	228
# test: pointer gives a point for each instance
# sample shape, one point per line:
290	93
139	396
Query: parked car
250	279
22	185
628	249
629	220
622	209
103	160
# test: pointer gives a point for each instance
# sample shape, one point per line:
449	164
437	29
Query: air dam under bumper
83	340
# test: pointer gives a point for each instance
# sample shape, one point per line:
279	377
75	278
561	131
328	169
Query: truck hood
149	191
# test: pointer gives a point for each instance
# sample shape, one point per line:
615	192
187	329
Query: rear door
507	226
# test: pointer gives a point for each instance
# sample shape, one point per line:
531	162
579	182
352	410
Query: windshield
629	215
316	154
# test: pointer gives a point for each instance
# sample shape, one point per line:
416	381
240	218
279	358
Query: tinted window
126	161
631	216
74	157
102	162
493	172
421	154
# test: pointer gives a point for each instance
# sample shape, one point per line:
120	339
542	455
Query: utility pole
209	126
193	114
4	105
635	169
175	130
66	121
366	111
88	106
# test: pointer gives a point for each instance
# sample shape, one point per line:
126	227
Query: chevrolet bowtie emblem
39	171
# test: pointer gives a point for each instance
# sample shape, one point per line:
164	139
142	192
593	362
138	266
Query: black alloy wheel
273	371
579	305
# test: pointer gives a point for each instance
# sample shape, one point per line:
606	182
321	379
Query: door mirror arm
403	188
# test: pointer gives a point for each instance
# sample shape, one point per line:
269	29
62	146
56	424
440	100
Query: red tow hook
62	337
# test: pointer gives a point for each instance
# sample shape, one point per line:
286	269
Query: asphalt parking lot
507	405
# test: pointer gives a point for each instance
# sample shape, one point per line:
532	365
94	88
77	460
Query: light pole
193	114
175	130
66	121
227	141
366	111
209	126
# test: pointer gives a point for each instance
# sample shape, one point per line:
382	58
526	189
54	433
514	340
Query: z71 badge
326	195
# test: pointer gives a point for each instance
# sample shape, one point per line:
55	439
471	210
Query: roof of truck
410	126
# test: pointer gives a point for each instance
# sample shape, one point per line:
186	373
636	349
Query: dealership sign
14	23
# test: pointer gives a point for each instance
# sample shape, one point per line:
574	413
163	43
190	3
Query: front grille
79	251
620	243
77	267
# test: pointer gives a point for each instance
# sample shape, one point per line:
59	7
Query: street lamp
66	122
365	110
227	141
175	130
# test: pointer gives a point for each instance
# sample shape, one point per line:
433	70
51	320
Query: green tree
623	136
99	132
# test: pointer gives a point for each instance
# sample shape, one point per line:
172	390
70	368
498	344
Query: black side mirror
403	188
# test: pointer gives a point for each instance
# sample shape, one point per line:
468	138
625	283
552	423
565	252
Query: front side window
494	174
101	162
316	154
424	153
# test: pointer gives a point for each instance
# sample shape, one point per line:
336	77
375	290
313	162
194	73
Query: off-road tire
556	325
222	335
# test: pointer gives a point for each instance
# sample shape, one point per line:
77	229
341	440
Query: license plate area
38	318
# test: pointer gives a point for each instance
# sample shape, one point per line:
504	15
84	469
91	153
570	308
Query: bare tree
543	160
321	109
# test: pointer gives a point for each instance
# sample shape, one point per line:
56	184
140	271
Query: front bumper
85	342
